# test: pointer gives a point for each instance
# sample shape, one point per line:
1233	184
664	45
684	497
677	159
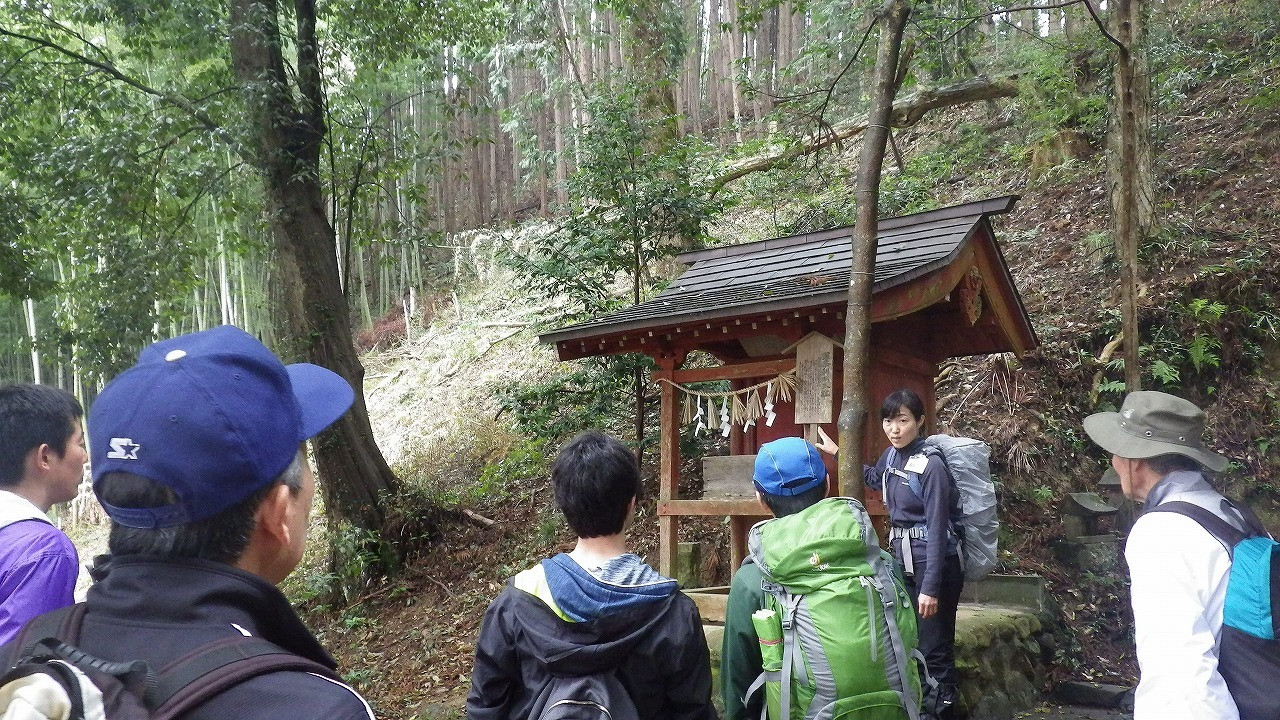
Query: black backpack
598	696
52	678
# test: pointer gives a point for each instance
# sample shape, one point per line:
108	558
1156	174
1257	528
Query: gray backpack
976	527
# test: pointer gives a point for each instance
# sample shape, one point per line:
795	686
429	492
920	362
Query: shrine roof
796	271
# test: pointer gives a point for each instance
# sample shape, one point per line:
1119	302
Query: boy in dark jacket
596	610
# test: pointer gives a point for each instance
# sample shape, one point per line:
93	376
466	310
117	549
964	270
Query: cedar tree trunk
1130	169
288	127
857	334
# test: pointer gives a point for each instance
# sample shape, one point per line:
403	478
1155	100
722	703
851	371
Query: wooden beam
739	529
1001	295
739	371
711	507
668	470
902	360
923	291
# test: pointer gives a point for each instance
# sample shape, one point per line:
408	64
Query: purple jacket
38	565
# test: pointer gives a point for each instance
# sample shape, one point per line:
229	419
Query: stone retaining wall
999	659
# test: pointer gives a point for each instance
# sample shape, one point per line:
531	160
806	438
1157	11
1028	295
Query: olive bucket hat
1153	423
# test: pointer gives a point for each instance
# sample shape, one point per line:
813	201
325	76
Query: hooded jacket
638	624
159	609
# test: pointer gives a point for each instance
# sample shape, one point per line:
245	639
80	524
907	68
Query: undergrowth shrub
478	461
594	393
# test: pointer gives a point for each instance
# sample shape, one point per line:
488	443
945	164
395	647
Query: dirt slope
408	643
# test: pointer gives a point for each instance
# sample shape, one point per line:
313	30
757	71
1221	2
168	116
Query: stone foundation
999	661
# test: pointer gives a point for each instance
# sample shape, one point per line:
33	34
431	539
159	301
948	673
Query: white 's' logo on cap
123	449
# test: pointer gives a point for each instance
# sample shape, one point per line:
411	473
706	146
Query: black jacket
659	650
157	610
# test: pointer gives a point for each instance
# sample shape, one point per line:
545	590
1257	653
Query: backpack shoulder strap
1220	529
62	624
218	666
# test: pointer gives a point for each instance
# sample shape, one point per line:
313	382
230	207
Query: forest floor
408	643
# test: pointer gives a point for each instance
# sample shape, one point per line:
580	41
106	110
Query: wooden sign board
815	358
728	477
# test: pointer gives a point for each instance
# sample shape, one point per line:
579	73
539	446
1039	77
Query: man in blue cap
199	458
798	618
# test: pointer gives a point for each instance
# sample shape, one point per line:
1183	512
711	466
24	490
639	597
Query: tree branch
906	112
1102	26
1007	10
111	70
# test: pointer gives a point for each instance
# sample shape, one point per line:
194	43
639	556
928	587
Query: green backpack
838	636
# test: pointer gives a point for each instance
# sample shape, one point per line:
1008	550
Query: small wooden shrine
772	312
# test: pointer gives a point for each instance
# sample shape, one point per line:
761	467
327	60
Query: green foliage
914	189
1201	43
353	556
1112	386
630	203
1165	373
1265	99
478	461
123	140
550	525
1061	87
591	394
525	462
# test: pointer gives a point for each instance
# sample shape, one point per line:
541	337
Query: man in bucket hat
199	458
1178	570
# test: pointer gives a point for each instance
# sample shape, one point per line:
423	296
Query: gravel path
1054	711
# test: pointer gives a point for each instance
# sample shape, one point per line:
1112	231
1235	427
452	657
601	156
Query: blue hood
622	583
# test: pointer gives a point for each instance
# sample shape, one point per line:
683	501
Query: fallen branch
479	519
488	347
907	111
1103	359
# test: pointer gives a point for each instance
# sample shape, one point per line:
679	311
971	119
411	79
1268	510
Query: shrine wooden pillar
668	466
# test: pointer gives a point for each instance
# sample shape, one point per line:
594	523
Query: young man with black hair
597	609
42	460
199	460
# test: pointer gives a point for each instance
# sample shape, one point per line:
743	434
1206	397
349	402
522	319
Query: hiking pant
938	633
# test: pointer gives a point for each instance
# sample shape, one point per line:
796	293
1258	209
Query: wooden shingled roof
798	271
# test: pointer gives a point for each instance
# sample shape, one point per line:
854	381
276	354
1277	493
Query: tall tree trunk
1130	169
29	306
735	54
315	321
857	337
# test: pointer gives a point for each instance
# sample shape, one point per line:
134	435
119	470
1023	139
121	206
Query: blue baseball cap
214	416
788	466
